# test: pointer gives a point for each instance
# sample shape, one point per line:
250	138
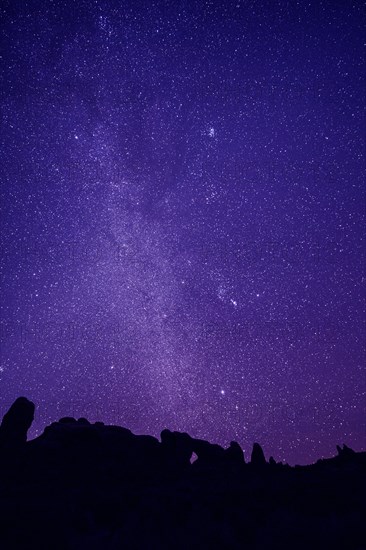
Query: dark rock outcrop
16	423
257	458
235	453
177	449
67	420
82	485
208	453
345	453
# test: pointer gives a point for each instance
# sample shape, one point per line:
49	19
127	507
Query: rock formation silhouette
81	485
16	423
258	458
235	453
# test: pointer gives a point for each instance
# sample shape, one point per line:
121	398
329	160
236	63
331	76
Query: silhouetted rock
16	423
345	455
84	421
67	420
347	451
235	453
257	458
177	448
82	485
207	453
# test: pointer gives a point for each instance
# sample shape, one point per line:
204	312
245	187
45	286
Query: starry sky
183	208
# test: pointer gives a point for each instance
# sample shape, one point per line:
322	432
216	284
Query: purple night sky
183	203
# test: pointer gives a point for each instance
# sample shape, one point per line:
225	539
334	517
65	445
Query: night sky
183	208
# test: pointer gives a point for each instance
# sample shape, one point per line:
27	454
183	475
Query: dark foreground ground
82	485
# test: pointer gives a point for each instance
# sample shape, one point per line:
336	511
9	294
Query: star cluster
182	218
